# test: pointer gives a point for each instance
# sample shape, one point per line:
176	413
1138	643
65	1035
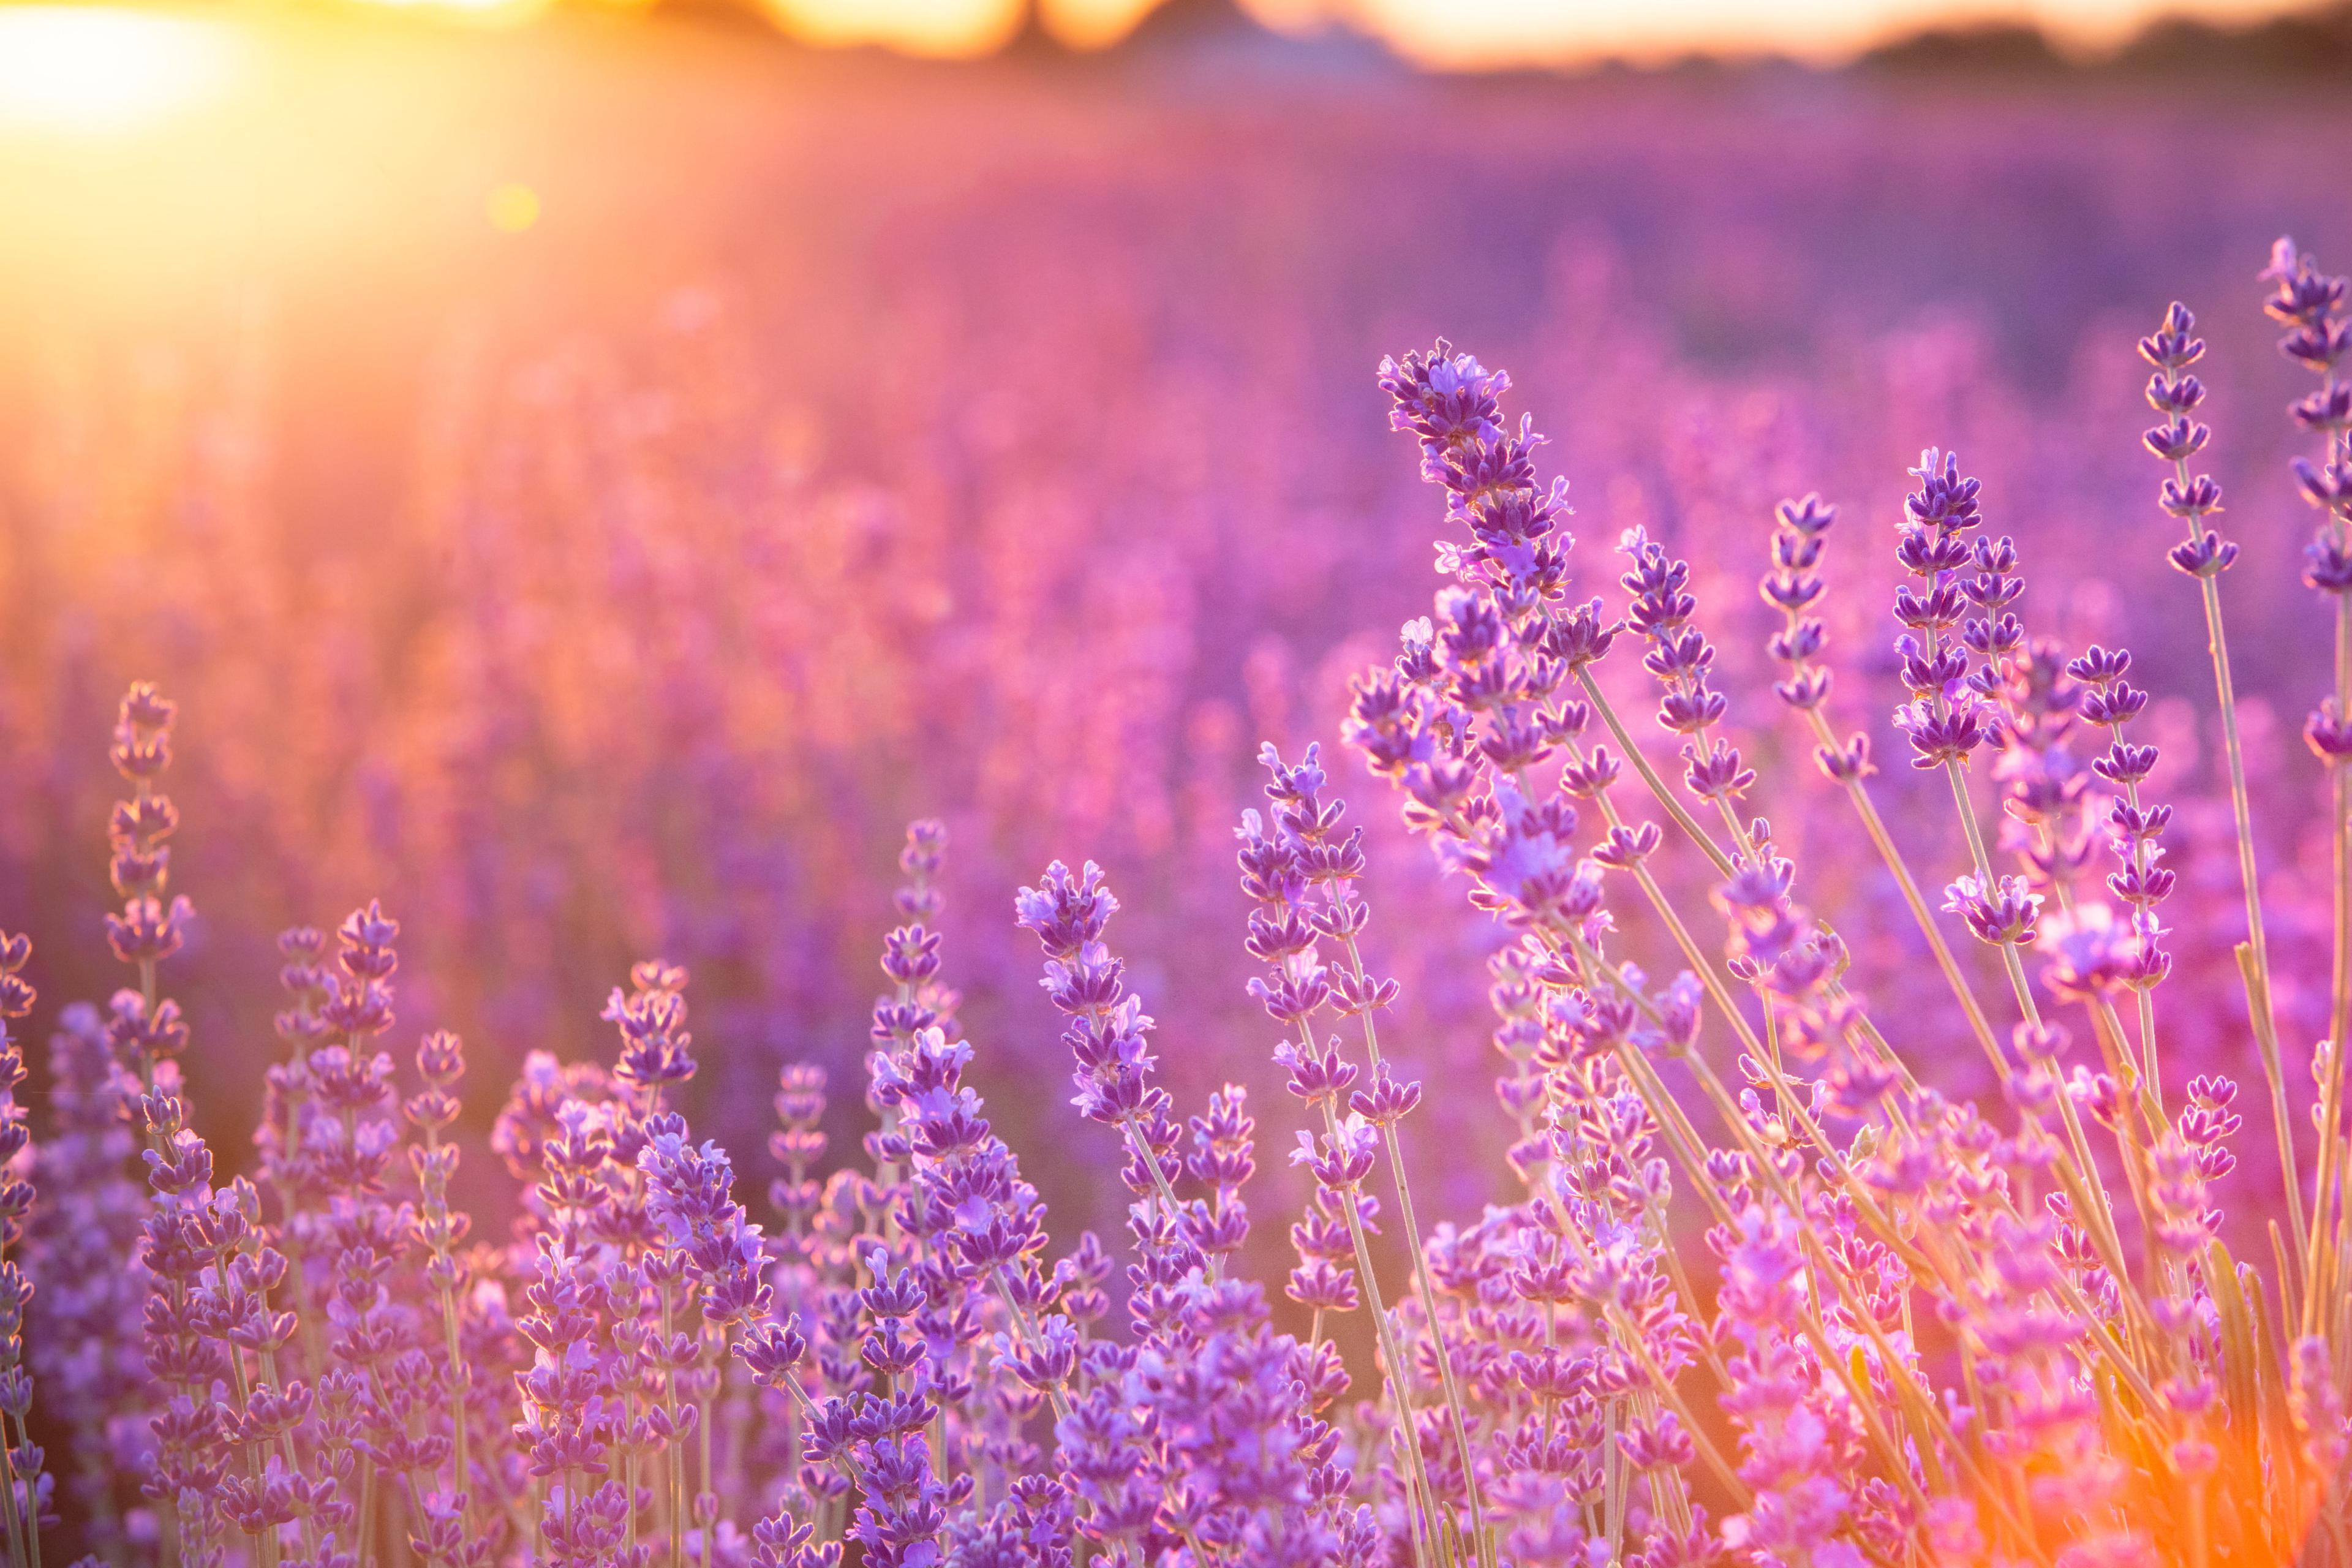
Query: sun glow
488	12
93	70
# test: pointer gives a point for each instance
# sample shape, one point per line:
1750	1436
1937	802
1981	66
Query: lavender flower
25	1506
1942	719
1107	1027
81	1248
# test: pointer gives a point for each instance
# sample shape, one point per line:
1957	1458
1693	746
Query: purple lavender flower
1943	719
1680	658
687	1189
2176	394
25	1483
1067	913
81	1248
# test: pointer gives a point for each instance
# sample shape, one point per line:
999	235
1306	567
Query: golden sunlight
947	27
95	69
492	13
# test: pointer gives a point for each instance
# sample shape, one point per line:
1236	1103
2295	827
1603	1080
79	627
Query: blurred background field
591	482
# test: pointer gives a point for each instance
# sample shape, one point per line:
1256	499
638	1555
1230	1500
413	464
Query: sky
1472	34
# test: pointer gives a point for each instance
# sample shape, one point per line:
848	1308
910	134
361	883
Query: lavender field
579	495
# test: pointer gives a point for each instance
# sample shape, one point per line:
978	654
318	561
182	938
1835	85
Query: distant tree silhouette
1032	38
1998	48
2309	44
2312	44
744	15
1185	23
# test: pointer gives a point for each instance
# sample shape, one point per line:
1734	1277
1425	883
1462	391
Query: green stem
1422	1281
2322	1263
2259	1007
1682	818
1393	1365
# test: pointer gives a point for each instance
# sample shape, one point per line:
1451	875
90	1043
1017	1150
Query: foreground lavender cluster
1763	1294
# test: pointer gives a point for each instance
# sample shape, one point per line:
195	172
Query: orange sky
1470	33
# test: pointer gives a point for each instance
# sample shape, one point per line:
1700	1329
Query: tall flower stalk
2194	499
2311	305
1307	855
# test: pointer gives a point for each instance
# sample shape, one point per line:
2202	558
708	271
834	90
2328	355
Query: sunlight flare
85	70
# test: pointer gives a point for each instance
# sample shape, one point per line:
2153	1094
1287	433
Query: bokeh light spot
513	208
